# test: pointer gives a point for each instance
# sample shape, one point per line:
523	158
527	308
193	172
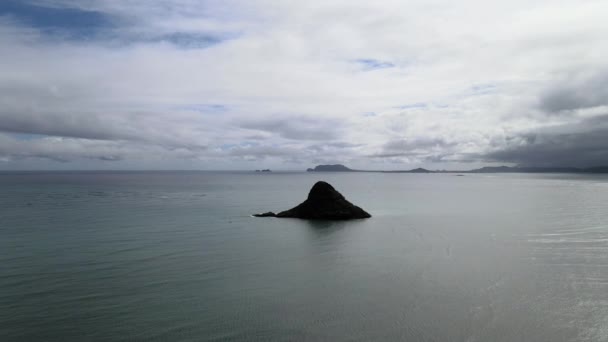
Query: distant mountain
486	169
492	169
331	168
418	170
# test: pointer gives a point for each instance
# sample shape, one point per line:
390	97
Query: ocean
176	256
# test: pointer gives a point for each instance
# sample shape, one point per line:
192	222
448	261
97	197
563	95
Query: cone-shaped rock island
323	203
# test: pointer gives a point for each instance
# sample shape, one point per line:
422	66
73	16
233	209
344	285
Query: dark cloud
396	155
416	144
189	40
427	149
583	144
38	109
62	124
60	149
296	128
343	146
577	93
261	152
134	127
291	153
65	111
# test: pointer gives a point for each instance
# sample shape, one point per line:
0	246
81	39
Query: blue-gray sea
176	256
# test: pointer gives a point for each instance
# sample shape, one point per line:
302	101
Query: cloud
579	91
190	83
68	149
416	144
422	149
581	144
115	23
296	127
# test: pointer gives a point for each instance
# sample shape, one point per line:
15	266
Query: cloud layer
249	84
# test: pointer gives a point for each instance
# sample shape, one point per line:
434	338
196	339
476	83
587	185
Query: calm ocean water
176	256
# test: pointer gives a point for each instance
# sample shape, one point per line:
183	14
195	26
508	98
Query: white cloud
284	74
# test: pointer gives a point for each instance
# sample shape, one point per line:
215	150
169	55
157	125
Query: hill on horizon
485	169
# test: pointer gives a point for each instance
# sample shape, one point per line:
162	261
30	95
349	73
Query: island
418	170
331	168
323	203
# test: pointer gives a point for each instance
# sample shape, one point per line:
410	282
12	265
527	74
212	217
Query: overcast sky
192	84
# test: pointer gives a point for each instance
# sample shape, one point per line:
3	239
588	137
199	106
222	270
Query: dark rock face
325	203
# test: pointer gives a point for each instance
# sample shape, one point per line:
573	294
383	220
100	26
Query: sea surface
176	256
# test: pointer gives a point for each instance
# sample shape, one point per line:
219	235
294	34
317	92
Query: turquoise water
176	256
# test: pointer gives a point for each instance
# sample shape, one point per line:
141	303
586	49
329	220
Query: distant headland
486	169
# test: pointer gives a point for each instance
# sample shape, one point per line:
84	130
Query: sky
287	85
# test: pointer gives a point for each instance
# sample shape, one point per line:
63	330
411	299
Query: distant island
486	169
323	203
265	170
331	168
